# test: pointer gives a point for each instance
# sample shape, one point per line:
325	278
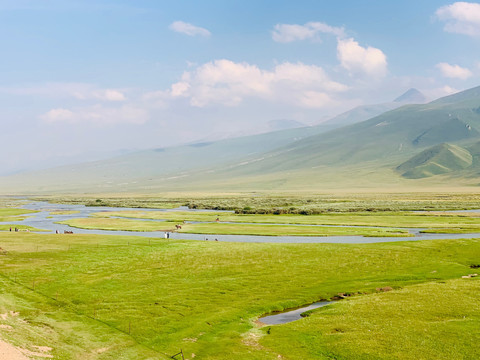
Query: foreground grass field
104	297
424	321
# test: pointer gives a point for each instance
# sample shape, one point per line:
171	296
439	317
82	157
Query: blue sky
82	78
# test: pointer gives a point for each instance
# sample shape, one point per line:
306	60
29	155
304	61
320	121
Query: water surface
45	220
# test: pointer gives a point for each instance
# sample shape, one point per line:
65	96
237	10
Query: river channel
291	315
43	219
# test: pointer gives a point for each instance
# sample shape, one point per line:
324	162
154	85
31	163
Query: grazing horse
178	227
67	232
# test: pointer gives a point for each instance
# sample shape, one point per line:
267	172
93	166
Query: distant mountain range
437	143
365	112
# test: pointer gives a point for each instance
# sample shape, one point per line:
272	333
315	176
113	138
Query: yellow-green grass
64	212
288	230
12	214
230	228
7	227
118	224
436	320
133	200
301	200
15	212
203	297
470	223
31	320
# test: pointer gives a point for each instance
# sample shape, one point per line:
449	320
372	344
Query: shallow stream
45	220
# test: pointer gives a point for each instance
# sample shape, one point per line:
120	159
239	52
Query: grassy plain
111	297
64	212
357	223
287	230
7	227
12	214
298	202
386	219
118	224
105	223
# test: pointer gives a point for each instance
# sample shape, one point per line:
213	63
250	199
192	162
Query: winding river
43	219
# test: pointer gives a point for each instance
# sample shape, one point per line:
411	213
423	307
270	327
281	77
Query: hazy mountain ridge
361	150
385	141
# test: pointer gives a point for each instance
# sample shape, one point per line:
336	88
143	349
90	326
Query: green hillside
439	159
386	140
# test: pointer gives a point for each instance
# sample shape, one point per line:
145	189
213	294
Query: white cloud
110	95
97	115
454	71
57	115
79	91
189	29
293	32
228	83
461	18
357	59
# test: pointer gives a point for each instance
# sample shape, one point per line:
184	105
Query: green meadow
112	297
105	223
385	223
303	202
12	214
64	212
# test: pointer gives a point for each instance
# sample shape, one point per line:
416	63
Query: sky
84	79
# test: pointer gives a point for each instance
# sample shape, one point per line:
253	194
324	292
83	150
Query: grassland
299	202
118	224
106	223
13	214
287	230
380	223
403	324
64	212
136	298
11	227
385	219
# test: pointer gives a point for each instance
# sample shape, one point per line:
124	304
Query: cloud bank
454	71
229	83
461	18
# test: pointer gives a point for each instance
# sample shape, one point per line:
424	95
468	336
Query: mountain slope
439	159
367	152
399	133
